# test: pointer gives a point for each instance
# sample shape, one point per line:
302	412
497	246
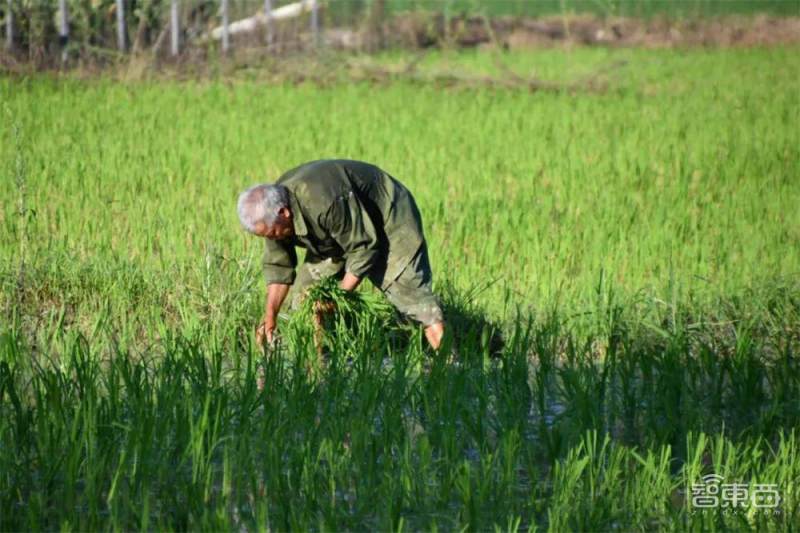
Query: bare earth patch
588	30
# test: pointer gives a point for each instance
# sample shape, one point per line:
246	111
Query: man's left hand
324	307
349	282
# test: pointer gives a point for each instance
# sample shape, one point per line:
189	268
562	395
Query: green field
619	270
541	8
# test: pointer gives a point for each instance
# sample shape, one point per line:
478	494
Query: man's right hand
265	333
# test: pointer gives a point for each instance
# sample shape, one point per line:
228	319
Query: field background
635	8
637	247
540	8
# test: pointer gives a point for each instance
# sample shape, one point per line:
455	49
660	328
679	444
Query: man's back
317	185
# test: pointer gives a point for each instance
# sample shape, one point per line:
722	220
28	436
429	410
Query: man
355	221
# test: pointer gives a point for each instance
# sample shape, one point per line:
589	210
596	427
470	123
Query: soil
589	30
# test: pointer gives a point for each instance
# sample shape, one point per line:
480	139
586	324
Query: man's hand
265	333
349	282
324	307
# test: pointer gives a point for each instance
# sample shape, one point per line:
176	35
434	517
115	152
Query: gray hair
261	203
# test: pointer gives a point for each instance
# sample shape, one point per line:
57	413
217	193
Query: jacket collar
299	222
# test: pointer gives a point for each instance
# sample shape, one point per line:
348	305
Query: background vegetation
92	24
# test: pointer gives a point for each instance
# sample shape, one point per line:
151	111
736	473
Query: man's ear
285	212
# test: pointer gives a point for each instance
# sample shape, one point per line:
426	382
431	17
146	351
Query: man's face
281	229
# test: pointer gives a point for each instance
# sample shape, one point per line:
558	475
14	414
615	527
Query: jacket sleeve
279	262
351	227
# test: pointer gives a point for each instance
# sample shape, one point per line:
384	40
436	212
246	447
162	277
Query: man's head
264	211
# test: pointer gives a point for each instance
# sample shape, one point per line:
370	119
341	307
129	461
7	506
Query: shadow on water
653	380
468	325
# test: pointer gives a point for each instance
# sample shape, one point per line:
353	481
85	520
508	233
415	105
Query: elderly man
355	221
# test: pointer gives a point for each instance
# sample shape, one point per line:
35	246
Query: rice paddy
618	268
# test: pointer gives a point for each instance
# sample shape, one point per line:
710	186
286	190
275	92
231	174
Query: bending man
355	221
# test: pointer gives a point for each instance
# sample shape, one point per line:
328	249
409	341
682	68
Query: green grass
618	270
636	8
675	9
534	8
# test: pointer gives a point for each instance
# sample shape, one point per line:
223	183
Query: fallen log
261	19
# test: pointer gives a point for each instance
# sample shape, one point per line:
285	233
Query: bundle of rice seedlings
335	318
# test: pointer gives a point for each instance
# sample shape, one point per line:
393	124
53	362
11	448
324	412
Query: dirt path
588	30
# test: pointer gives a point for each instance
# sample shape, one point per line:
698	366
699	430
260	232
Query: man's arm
276	294
279	262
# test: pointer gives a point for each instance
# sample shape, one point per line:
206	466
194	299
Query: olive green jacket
350	210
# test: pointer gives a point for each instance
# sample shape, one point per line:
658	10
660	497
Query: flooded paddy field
618	267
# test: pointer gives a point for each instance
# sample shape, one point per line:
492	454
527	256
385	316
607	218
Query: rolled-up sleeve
279	262
351	227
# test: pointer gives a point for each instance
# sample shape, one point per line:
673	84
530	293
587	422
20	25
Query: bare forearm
349	282
276	294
